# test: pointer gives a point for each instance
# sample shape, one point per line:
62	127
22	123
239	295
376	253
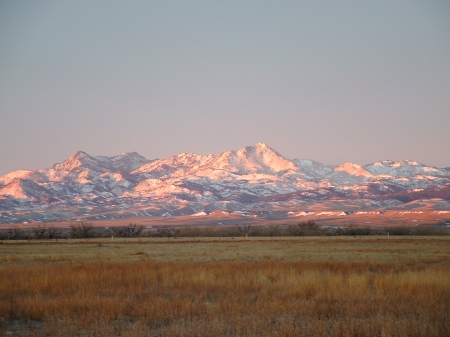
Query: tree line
86	230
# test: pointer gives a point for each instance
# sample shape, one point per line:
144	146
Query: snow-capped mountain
403	168
251	174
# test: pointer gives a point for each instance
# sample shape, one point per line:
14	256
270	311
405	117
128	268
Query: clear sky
332	81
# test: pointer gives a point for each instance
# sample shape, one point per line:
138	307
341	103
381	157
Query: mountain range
250	175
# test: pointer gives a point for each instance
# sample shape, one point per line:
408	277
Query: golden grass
364	249
264	295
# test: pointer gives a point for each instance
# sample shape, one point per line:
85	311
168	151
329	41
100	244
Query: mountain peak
77	159
406	162
134	156
395	163
260	148
125	162
78	154
403	168
263	146
353	169
259	158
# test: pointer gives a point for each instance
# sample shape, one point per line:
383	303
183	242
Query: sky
331	81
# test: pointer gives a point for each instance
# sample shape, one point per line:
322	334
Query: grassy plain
285	286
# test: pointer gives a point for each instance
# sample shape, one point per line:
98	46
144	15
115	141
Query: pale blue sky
332	81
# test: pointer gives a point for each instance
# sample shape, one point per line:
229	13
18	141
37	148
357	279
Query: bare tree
82	230
168	232
17	234
273	230
130	231
244	229
39	232
134	231
54	233
304	229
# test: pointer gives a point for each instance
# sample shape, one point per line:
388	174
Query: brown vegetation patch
292	287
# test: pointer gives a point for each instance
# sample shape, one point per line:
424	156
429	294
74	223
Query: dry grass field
302	286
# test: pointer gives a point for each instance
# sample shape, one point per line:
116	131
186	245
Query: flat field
301	286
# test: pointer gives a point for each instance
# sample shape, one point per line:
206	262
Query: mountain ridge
252	173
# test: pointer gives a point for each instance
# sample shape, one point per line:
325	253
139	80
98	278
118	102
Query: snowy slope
403	168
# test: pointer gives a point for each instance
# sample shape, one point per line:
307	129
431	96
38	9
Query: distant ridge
248	175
